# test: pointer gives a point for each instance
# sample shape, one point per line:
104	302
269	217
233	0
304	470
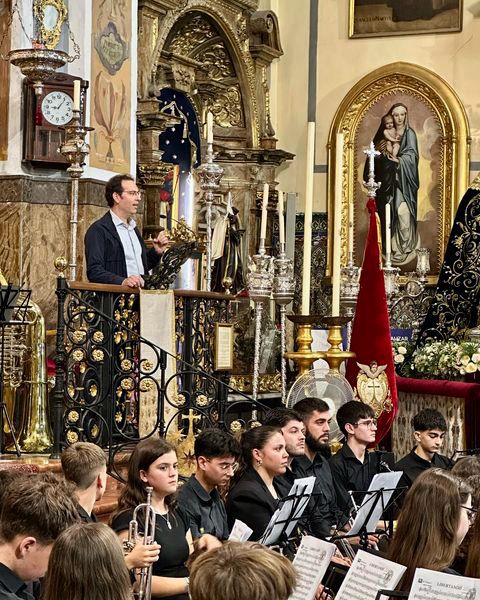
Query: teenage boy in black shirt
429	428
216	453
35	510
84	464
351	468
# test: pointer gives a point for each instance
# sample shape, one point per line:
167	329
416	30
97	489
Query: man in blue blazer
114	249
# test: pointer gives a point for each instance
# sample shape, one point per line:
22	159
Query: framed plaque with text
223	360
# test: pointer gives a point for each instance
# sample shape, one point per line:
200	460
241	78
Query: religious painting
370	18
4	78
111	85
420	133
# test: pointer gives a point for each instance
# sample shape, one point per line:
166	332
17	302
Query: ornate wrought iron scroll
101	377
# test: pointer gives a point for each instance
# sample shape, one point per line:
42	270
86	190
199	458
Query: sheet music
368	574
289	511
240	532
432	585
387	481
311	562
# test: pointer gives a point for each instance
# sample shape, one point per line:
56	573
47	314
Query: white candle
307	238
209	128
76	94
337	225
263	224
350	227
388	232
281	222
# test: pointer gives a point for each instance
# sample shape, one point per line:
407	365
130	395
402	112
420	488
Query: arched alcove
438	119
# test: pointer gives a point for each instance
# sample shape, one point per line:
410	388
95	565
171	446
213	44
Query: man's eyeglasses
471	513
226	466
132	193
369	423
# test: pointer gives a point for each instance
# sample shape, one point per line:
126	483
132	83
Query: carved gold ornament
98	337
72	437
50	15
98	355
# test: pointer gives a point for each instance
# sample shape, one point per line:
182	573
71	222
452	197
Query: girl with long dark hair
154	464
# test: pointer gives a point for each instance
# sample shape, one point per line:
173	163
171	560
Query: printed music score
431	585
368	574
311	562
240	532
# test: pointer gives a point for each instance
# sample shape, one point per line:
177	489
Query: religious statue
227	273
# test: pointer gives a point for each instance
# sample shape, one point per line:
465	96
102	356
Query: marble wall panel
11	216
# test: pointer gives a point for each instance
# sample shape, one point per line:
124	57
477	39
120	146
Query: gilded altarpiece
111	93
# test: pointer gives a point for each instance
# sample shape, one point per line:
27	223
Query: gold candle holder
335	355
304	357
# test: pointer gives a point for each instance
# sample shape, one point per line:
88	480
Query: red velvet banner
371	339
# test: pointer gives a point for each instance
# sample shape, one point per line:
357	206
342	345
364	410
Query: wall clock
45	115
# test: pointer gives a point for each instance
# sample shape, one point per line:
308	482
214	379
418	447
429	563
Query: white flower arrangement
445	360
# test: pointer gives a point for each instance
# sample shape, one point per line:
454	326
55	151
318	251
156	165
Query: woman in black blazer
255	491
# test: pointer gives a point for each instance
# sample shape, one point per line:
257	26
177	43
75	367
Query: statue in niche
227	273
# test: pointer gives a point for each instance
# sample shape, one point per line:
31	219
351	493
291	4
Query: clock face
57	108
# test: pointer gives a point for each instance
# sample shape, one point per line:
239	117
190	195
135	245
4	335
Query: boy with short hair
35	510
429	428
85	465
352	470
216	453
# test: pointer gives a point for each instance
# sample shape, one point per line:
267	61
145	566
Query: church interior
239	239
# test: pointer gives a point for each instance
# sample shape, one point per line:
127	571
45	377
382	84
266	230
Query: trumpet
144	591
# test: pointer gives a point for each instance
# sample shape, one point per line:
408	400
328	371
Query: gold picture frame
51	15
368	18
437	115
223	356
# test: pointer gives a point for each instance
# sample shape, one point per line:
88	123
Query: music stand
372	498
390	594
12	298
279	531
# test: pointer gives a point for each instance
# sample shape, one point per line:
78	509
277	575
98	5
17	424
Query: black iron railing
108	393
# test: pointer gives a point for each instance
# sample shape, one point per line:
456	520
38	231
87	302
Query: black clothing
454	306
413	465
11	586
349	474
206	511
105	255
85	517
323	506
174	552
250	501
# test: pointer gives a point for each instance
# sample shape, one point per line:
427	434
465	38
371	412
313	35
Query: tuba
144	591
24	362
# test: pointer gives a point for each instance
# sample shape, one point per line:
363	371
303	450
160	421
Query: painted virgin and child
397	170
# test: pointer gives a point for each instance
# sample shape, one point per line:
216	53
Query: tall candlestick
76	94
307	237
337	226
388	232
263	224
281	222
209	128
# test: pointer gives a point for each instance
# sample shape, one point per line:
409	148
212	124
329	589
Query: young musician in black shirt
216	453
352	470
429	428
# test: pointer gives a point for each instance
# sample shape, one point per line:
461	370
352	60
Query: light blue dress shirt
131	245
